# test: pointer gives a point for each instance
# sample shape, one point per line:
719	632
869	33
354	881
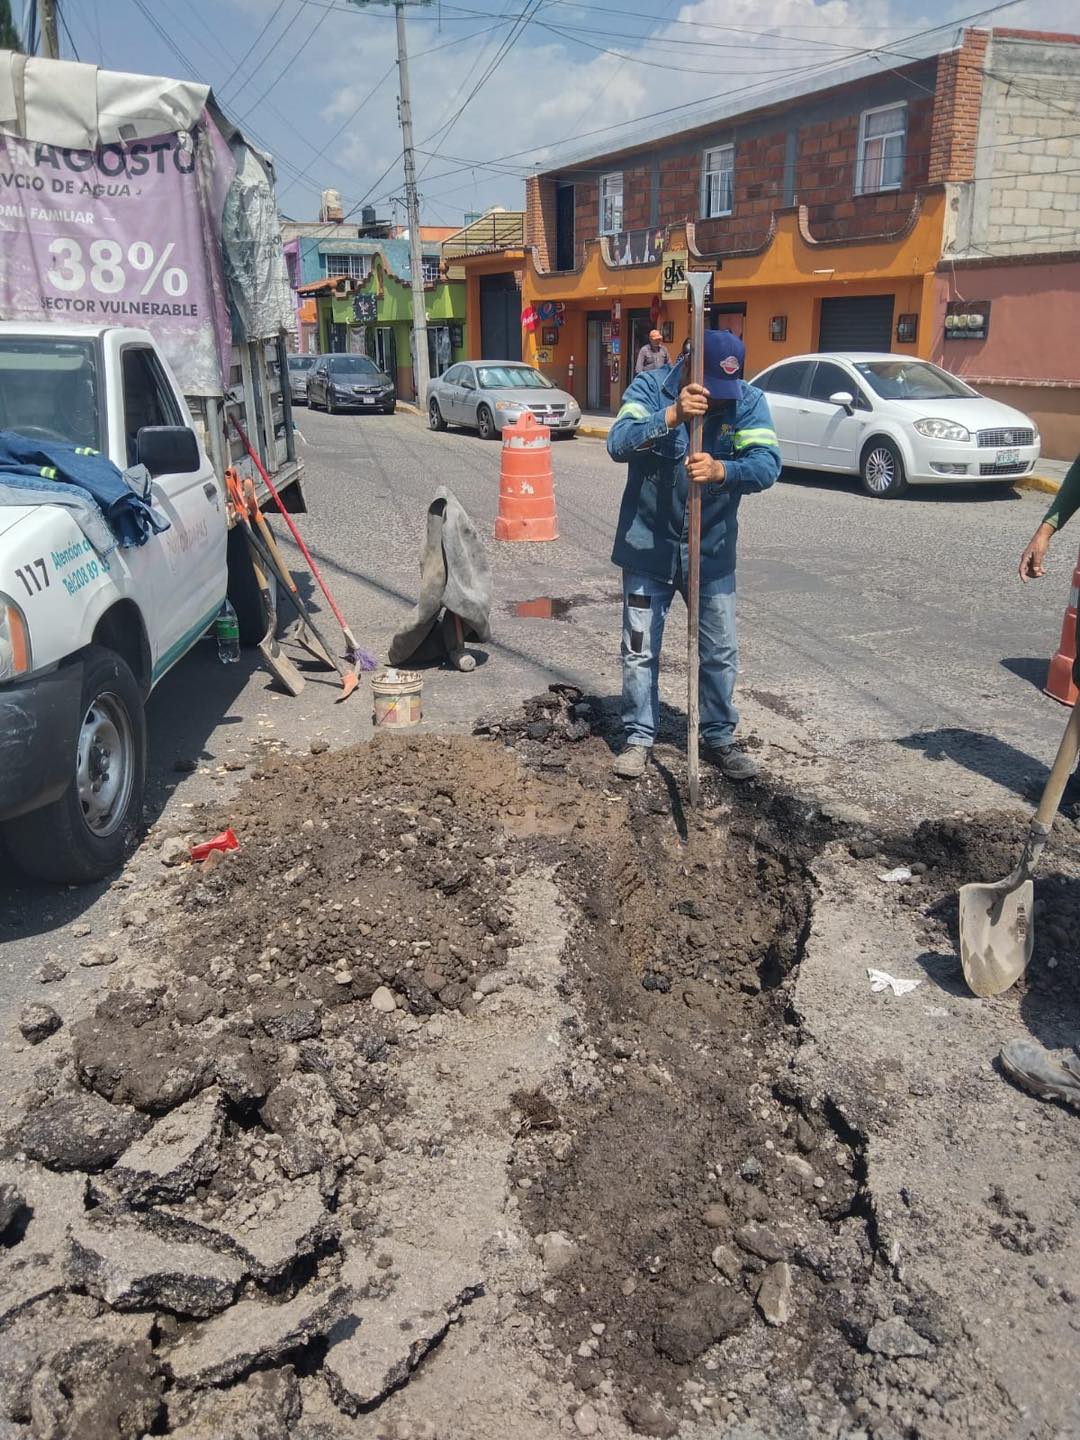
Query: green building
373	316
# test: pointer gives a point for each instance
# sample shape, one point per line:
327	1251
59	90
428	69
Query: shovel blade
997	934
281	667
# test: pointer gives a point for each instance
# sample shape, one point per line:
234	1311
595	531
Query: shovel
997	933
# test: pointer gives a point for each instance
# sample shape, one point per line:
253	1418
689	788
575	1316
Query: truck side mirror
168	450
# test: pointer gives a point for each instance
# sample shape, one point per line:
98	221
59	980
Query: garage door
857	322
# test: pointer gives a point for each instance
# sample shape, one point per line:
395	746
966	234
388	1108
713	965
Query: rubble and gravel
469	1097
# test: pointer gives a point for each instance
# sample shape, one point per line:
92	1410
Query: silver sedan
485	395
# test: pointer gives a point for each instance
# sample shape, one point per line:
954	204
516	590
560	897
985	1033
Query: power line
244	58
67	30
290	62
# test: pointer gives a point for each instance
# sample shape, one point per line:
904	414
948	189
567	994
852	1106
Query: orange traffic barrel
526	483
1060	684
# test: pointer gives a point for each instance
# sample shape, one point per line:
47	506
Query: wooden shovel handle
1062	769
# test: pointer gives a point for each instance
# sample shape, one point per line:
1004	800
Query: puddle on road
553	607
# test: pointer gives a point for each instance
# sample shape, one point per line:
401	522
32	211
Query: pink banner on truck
129	234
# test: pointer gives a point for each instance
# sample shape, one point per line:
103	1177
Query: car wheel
485	423
882	470
435	416
84	834
389	409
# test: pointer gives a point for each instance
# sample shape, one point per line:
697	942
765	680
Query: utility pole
412	210
50	44
412	203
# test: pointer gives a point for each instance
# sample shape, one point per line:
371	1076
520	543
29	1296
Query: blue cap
725	355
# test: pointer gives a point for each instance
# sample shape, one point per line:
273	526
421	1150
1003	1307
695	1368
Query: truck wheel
85	833
244	589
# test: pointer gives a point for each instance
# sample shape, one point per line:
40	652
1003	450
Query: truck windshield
49	389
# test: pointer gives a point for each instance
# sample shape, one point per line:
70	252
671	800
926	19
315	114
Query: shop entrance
856	322
386	351
598	362
641	322
500	318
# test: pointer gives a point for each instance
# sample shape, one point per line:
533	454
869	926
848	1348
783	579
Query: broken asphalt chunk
178	1152
397	1315
130	1268
254	1332
79	1131
697	1320
31	1268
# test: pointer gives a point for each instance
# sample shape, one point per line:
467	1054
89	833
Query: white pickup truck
84	638
128	201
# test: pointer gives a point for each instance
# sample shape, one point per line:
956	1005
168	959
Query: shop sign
675	274
967	319
543	357
365	309
616	346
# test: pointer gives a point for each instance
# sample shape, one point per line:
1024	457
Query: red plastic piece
225	841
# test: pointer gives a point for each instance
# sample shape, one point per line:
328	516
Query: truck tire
244	589
84	835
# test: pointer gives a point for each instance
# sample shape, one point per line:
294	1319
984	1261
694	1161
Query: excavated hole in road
673	1146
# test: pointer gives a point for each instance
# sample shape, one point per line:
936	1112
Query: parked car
895	421
299	366
485	395
349	382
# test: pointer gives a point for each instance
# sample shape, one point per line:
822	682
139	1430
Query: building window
717	172
429	269
611	204
356	266
880	164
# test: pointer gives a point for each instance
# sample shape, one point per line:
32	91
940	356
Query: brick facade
957	100
540	193
586	215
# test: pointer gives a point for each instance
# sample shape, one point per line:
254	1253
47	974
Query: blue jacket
34	463
651	536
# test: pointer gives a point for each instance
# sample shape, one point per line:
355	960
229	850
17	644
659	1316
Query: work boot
630	765
735	763
1040	1072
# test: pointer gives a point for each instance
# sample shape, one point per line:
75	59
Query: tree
9	36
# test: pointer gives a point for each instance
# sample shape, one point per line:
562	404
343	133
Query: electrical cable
244	58
319	23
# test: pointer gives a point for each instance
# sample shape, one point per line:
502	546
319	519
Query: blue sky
314	82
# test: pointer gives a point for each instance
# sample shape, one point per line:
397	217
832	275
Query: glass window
356	266
912	380
353	365
468	379
148	398
611	209
882	136
718	170
429	268
785	379
512	377
49	390
453	375
828	379
301	362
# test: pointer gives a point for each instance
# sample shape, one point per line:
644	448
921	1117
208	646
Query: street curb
1040	483
409	407
594	432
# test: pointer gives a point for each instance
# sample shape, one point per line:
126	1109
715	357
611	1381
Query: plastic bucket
397	698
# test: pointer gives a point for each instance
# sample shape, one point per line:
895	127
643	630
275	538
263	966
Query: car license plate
369	400
1007	457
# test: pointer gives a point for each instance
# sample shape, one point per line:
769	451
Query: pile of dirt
462	1030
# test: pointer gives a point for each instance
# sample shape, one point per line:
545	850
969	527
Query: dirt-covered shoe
1040	1072
630	765
733	761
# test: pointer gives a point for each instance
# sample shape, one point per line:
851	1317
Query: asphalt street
889	655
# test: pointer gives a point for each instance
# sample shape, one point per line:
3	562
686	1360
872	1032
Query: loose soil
499	1061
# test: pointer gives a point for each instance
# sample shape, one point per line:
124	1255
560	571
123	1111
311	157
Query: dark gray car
349	382
488	394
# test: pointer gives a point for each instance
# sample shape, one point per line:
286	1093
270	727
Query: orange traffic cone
1059	683
526	483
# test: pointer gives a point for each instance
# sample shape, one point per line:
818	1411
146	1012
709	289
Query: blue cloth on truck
128	515
25	490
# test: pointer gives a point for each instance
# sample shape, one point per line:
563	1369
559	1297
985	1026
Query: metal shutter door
856	322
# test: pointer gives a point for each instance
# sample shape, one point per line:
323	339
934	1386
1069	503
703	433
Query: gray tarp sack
251	240
454	581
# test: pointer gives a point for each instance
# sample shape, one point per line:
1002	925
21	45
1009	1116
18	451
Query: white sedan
894	420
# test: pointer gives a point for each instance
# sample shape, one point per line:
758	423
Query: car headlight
15	656
509	405
942	430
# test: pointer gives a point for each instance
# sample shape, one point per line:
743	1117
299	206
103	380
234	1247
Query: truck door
182	570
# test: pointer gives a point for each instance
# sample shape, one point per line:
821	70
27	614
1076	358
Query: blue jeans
646	602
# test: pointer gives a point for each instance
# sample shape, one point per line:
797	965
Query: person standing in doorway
740	456
653	355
